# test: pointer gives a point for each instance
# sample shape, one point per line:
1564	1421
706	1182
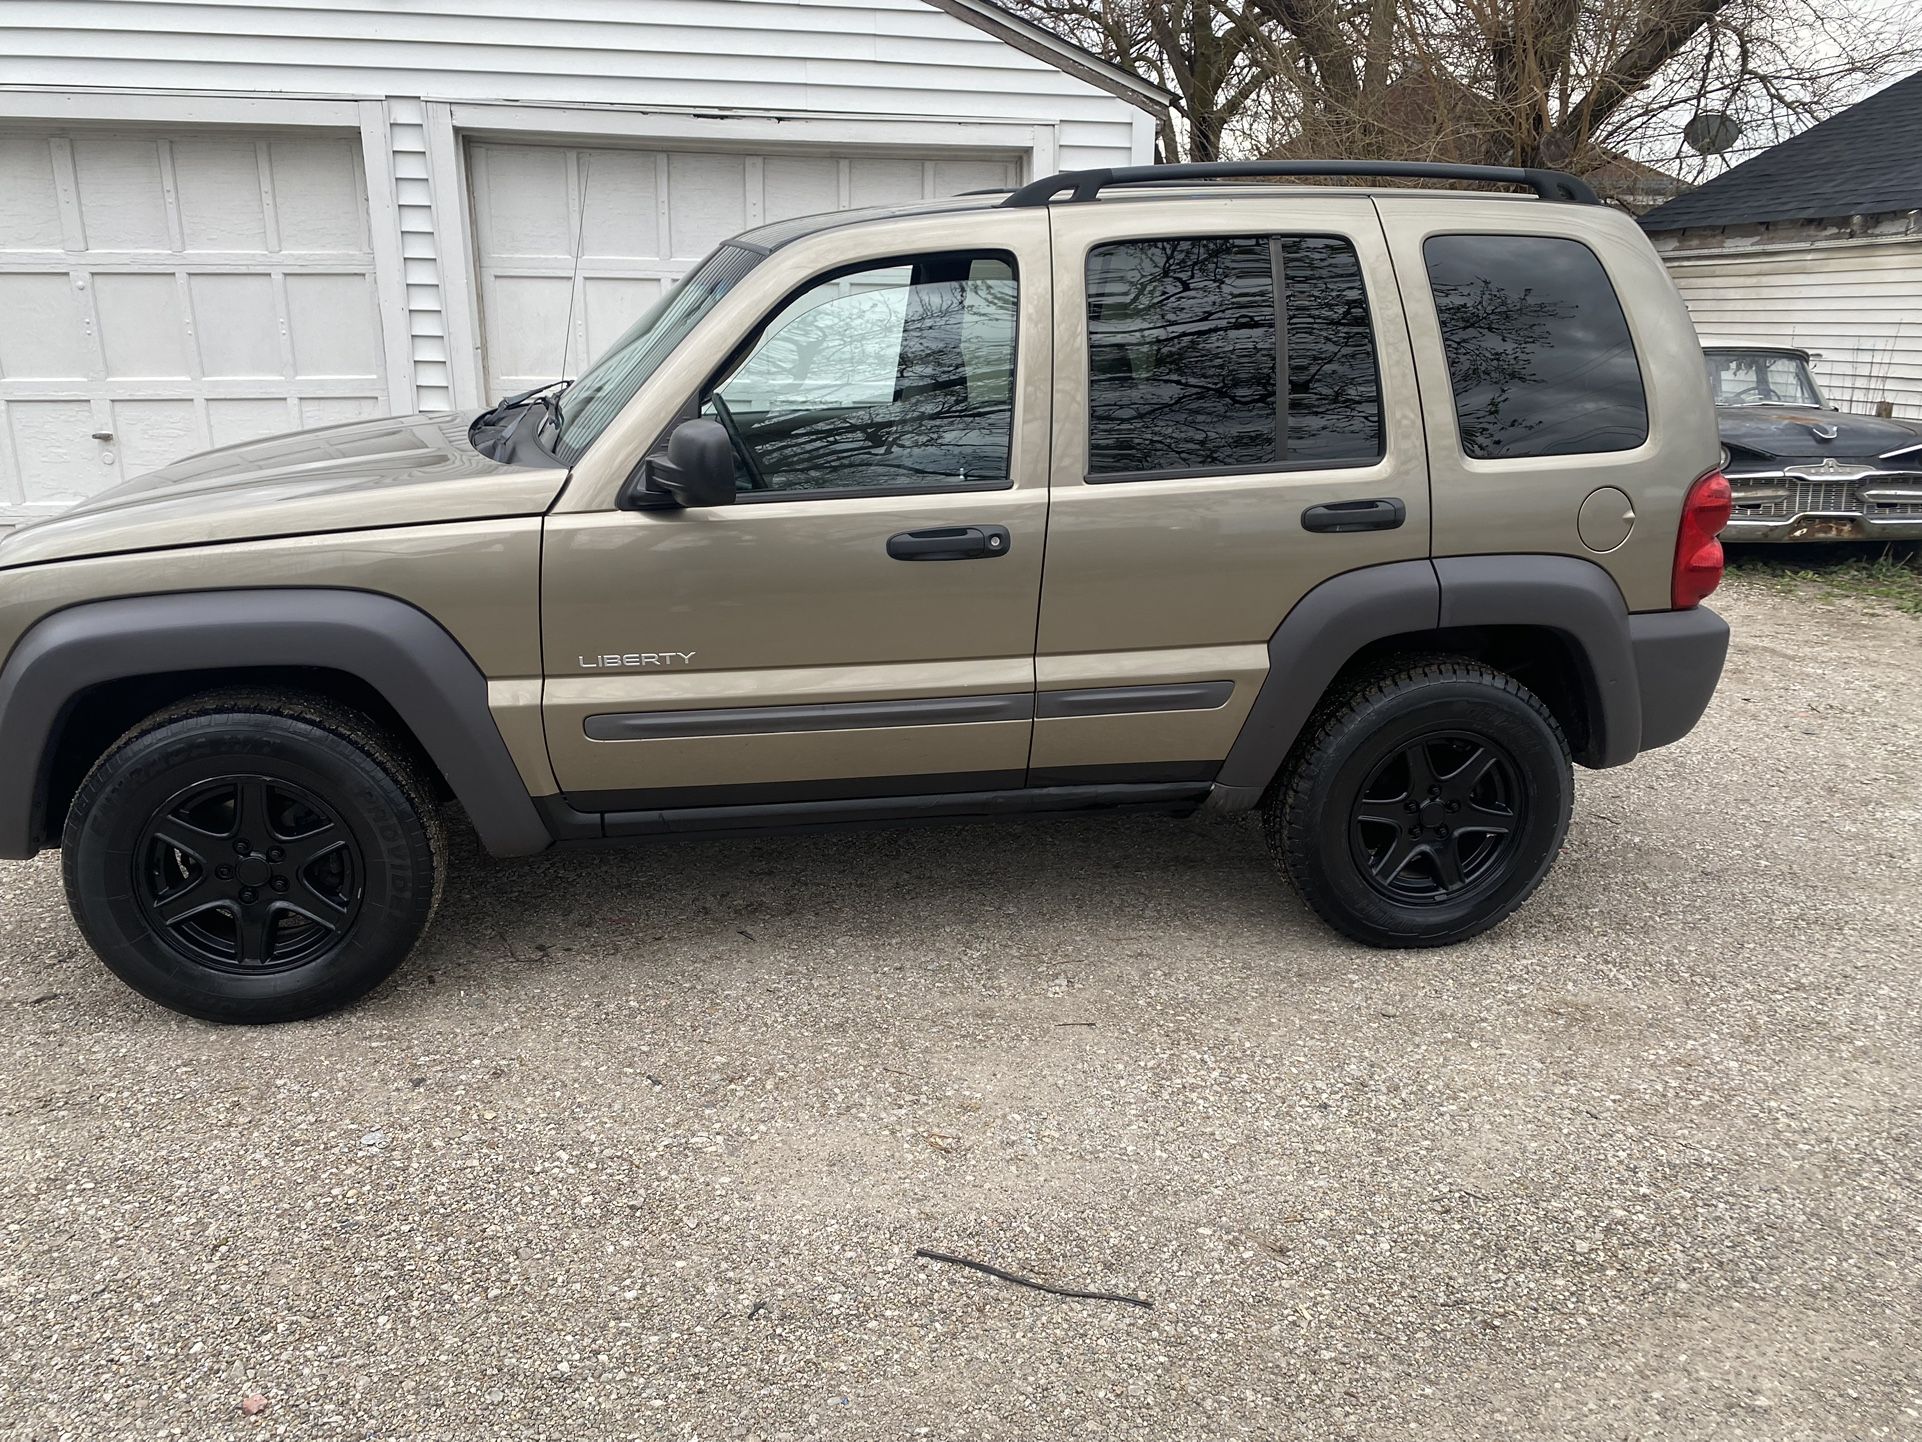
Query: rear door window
1539	353
1188	343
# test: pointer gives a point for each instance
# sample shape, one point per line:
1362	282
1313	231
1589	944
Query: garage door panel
221	288
884	182
706	202
152	433
122	203
799	185
238	330
143	335
335	324
331	410
29	204
53	455
42	336
231	422
320	199
526	318
217	187
623	205
522	207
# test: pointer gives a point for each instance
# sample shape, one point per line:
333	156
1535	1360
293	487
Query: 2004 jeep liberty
1127	490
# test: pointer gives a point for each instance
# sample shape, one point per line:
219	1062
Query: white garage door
161	293
650	215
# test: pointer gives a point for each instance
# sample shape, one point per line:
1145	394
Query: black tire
316	907
1393	857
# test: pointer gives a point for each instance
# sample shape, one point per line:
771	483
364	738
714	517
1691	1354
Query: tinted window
1184	352
899	375
1538	349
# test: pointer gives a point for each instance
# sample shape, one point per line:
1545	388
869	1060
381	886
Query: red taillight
1698	555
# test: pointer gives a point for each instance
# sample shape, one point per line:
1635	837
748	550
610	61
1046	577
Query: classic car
1799	468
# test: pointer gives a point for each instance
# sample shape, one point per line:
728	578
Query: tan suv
1129	490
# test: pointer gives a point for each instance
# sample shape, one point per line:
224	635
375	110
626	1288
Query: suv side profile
1128	490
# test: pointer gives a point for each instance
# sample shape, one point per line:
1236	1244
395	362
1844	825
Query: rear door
1225	370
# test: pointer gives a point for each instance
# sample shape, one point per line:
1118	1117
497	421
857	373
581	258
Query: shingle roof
1866	160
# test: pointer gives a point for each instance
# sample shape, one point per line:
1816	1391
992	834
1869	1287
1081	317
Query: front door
861	621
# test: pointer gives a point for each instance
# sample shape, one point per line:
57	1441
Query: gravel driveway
642	1144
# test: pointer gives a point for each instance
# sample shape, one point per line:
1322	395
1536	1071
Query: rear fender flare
1337	620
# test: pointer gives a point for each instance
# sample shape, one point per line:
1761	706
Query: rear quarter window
1539	354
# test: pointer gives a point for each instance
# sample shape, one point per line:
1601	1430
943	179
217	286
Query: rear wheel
253	858
1425	804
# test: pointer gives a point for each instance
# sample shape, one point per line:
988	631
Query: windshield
593	401
1761	378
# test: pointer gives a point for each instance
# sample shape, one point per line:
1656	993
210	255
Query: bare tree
1571	83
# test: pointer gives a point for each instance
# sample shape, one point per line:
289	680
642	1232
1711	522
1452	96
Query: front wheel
1424	805
251	858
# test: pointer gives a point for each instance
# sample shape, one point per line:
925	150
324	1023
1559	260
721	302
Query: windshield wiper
538	394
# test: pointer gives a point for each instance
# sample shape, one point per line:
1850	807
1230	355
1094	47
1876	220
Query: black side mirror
698	469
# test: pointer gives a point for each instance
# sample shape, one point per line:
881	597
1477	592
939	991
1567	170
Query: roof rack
1087	184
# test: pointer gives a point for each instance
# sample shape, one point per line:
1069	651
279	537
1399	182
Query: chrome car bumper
1825	504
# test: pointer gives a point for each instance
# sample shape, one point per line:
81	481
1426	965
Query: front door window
897	377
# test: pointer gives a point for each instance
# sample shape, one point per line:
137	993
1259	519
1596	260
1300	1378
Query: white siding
681	72
882	58
1856	302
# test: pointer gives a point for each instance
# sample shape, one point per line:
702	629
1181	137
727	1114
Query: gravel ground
643	1142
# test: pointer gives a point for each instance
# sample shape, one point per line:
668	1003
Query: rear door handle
951	543
1385	514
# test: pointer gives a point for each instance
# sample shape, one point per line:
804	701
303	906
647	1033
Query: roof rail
1087	184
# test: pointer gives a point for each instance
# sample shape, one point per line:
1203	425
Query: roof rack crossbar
1087	184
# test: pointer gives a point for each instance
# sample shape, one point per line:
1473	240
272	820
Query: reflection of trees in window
882	384
1539	354
1183	355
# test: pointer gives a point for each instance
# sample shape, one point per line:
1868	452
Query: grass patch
1891	574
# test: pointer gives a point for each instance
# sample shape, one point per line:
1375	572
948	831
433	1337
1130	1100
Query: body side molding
401	652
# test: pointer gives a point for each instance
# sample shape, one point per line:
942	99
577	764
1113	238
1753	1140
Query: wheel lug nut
280	883
1411	808
241	847
1454	806
274	853
223	871
1414	831
248	894
1441	831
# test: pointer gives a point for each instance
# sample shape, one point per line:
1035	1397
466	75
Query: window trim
1468	458
735	358
1278	278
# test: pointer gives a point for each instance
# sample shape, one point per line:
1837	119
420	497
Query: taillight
1698	555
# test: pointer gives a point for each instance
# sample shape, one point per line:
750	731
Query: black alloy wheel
1438	818
249	872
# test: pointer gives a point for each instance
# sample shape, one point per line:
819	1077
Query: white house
1817	243
225	218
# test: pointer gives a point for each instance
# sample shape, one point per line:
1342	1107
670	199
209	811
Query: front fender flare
422	671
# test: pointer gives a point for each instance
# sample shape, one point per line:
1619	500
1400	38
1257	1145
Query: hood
1789	432
395	471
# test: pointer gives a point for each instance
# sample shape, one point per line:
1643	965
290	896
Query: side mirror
698	469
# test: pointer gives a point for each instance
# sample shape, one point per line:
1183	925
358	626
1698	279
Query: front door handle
951	543
1385	514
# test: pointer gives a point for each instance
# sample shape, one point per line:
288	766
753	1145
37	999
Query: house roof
1866	160
1044	44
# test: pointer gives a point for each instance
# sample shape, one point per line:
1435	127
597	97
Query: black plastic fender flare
1335	621
422	671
